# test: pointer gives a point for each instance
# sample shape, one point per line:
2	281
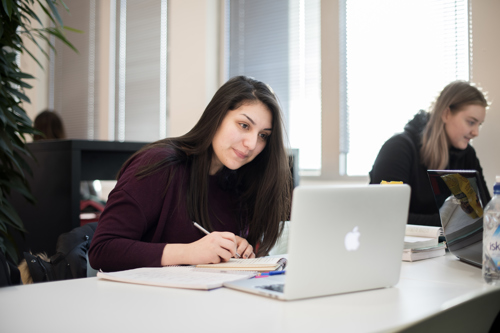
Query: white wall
486	73
193	44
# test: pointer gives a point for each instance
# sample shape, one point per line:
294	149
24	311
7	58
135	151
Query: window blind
278	42
75	92
141	70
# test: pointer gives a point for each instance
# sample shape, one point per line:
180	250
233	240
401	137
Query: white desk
91	305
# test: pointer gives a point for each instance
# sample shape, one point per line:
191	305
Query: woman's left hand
244	249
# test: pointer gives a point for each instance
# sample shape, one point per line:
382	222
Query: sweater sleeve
123	236
117	242
394	161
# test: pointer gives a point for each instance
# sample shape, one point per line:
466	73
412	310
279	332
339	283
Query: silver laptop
461	213
342	239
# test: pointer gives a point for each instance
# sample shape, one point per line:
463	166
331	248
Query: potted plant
16	21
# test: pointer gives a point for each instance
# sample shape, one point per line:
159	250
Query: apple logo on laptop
351	240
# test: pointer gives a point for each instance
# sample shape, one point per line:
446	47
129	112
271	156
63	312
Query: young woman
229	174
438	139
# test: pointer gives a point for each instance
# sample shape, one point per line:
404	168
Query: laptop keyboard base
274	287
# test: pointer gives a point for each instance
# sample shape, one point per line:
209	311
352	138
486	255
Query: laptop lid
458	197
342	239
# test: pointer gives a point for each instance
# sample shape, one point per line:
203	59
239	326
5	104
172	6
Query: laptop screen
458	196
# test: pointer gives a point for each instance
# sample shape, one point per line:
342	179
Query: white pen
207	233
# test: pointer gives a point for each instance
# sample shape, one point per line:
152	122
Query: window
278	42
122	51
396	56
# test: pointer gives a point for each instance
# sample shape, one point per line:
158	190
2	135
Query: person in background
50	127
438	139
50	124
229	173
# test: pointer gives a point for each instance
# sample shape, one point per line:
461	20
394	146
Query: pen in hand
205	231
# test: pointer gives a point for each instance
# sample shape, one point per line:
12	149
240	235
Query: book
263	264
424	253
187	277
421	236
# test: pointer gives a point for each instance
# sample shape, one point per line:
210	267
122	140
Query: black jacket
399	160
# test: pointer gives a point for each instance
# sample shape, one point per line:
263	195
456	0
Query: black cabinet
59	168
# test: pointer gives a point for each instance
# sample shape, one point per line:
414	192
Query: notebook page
176	277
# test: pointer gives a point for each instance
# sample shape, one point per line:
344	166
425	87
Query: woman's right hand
214	248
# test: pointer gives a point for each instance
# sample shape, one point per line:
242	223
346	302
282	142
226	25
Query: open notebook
187	277
206	277
342	239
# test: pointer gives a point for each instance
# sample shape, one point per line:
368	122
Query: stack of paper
422	242
424	253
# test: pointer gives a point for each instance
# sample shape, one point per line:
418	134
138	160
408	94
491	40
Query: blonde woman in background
438	139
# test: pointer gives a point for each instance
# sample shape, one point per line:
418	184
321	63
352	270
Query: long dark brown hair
263	186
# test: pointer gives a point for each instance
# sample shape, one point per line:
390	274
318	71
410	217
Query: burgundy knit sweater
140	219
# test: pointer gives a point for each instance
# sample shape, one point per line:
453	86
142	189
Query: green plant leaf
10	116
12	159
6	144
73	29
23	75
15	124
11	217
7	6
16	184
35	41
32	56
8	246
41	33
21	83
64	5
31	13
3	119
3	228
55	12
19	94
25	18
46	11
58	34
22	114
22	161
29	130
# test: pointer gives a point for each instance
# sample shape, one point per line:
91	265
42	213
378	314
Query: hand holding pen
242	244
